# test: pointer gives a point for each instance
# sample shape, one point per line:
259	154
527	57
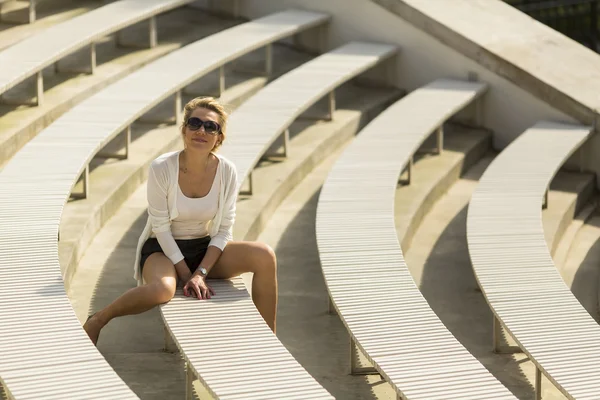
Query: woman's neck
194	161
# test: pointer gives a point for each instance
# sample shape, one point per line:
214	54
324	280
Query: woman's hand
198	288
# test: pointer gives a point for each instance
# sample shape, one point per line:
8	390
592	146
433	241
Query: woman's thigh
159	269
241	257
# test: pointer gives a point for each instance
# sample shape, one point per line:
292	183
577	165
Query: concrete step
433	175
578	258
569	193
105	270
113	181
49	13
318	340
19	123
16	13
438	260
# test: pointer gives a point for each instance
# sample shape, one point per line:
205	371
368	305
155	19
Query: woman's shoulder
164	160
226	163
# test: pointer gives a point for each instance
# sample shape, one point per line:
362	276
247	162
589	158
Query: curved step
48	14
394	326
579	268
280	103
513	266
30	56
20	124
31	205
93	287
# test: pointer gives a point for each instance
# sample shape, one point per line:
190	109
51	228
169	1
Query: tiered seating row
41	340
31	15
364	269
514	268
228	318
30	56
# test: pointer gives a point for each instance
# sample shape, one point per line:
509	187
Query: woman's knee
265	258
164	289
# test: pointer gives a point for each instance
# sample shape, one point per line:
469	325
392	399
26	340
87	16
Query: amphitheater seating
31	17
514	268
281	102
30	56
278	104
40	337
389	320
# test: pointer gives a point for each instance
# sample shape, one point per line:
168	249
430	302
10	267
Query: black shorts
193	250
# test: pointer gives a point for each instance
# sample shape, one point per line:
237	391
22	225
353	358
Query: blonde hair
212	104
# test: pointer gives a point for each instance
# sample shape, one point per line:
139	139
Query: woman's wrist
182	270
201	271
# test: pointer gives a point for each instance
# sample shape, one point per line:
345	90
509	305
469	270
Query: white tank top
195	214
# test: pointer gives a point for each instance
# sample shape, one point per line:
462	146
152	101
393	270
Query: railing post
221	80
250	186
92	58
286	142
32	15
178	111
409	169
331	101
354	368
330	307
189	379
127	141
40	88
152	32
538	384
496	335
269	60
86	180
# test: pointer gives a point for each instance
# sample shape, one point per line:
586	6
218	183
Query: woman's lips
199	140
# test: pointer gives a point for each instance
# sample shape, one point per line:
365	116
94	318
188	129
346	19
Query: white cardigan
164	171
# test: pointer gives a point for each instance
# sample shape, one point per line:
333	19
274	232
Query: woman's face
199	130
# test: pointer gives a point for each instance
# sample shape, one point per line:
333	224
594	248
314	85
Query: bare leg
259	258
161	282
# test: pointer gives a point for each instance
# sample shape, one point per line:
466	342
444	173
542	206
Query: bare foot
92	327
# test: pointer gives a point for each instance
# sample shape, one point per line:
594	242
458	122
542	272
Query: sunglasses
210	127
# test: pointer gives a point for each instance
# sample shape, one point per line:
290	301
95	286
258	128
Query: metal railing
577	19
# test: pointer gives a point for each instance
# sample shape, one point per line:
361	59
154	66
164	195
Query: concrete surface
581	267
434	174
111	181
105	269
319	341
439	262
18	123
514	46
48	13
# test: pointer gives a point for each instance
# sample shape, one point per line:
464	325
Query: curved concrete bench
30	56
43	347
514	268
231	314
367	278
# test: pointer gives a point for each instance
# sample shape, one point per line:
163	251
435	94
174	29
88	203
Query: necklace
184	168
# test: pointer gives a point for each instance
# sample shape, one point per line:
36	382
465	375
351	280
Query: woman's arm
225	233
158	211
197	285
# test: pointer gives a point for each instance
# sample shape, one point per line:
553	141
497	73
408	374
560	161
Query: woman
191	209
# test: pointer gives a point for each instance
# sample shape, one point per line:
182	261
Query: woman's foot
92	327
